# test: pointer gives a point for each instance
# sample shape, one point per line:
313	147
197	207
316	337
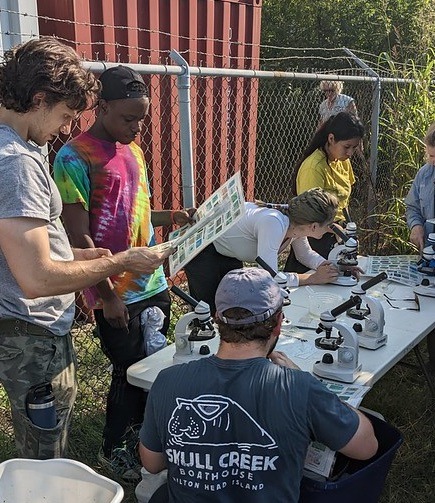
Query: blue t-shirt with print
238	430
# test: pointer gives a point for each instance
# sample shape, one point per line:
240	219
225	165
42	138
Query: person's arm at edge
363	444
161	218
152	461
151	445
76	221
416	236
25	245
413	209
413	214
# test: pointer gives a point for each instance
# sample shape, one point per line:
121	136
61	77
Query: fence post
18	23
374	137
183	86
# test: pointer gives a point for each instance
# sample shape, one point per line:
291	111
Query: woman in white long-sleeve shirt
266	230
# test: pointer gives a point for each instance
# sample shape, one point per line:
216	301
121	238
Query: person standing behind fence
43	87
267	230
235	427
335	101
420	206
101	175
326	164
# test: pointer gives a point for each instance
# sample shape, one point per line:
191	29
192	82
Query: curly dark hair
259	331
46	65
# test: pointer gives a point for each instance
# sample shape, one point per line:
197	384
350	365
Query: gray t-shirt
238	430
27	190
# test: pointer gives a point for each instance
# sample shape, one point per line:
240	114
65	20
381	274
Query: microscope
344	365
279	277
194	326
371	334
345	255
351	229
426	266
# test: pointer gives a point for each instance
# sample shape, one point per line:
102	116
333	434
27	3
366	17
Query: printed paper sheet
217	214
320	459
400	268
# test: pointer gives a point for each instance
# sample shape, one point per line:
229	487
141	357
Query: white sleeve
305	254
292	279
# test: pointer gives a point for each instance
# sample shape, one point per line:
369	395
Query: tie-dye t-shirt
110	181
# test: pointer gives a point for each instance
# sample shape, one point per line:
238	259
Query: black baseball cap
120	83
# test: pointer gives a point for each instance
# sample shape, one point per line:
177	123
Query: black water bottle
40	406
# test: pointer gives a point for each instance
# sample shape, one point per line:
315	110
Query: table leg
428	377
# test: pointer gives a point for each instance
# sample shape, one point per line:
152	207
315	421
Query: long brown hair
344	126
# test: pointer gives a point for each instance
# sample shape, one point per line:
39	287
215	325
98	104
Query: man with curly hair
43	88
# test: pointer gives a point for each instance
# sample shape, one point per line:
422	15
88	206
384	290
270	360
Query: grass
402	396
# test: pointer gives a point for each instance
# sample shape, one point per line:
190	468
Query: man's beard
273	347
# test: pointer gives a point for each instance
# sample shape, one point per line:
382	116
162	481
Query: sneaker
121	463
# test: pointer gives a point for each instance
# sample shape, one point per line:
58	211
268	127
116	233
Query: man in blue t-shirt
236	426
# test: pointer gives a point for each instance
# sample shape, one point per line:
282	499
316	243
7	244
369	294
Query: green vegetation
403	398
407	110
401	28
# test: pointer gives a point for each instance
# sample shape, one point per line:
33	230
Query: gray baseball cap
251	288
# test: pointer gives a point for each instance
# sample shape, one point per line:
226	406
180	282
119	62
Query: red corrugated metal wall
213	33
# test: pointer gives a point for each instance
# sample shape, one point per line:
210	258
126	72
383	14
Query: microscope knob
372	326
180	343
327	358
347	356
425	282
204	350
357	327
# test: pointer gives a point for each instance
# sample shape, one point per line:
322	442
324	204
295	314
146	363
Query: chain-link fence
259	126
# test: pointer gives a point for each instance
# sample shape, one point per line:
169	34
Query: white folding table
405	329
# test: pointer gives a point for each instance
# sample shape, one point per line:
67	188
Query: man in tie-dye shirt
101	175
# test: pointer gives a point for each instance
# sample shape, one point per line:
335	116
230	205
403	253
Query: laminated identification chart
217	214
400	268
